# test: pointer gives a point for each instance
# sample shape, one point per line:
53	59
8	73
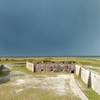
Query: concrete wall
77	69
30	66
85	75
95	81
90	78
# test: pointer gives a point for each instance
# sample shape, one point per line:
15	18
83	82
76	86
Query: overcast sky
49	27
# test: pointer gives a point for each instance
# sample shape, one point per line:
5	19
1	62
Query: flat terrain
23	86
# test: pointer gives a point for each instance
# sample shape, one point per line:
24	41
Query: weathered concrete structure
30	66
90	78
50	67
85	75
77	69
95	82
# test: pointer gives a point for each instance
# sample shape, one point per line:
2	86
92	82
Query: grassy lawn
92	95
94	63
79	60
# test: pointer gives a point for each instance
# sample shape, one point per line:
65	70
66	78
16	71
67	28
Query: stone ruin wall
90	78
50	67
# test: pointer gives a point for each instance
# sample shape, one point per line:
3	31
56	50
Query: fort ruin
50	67
86	75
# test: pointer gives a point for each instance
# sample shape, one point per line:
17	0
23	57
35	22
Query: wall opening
42	70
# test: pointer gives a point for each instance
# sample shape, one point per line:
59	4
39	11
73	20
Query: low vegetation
92	95
3	74
31	94
79	60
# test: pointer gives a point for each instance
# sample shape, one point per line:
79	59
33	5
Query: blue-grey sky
49	27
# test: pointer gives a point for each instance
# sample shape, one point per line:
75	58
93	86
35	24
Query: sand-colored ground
24	86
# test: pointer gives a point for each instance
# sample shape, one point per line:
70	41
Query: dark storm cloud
49	27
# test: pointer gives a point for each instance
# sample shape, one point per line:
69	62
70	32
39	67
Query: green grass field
3	73
80	60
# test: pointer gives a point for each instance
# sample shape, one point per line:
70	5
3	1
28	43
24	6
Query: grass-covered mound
3	71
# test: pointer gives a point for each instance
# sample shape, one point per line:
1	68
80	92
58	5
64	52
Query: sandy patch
19	90
56	84
20	82
60	85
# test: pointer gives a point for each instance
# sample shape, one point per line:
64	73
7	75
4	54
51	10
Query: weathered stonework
50	67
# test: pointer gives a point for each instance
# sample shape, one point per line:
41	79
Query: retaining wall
77	69
30	66
90	78
47	67
85	75
95	81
